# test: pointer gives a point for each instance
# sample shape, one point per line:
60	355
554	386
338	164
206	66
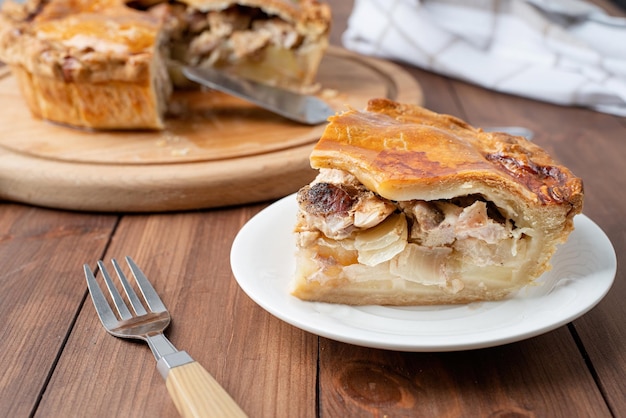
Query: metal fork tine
132	296
150	295
106	315
115	295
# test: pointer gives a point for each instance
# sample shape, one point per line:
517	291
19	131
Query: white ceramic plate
262	260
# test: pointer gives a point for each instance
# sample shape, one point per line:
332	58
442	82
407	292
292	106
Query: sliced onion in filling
421	264
383	242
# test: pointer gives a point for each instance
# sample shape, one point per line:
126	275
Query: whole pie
112	64
411	207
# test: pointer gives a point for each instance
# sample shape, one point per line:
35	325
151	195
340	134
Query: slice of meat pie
411	207
111	64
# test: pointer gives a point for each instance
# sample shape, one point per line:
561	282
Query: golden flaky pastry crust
466	215
110	64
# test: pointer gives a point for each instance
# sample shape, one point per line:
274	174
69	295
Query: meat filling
341	208
217	38
337	204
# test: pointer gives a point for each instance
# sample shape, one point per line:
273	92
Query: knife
305	109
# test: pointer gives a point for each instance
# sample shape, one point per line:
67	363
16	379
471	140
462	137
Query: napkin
568	52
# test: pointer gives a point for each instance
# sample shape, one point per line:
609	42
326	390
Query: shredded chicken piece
281	33
474	222
226	22
203	44
433	223
439	223
370	210
247	43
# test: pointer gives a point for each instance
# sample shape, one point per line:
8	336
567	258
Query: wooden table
56	360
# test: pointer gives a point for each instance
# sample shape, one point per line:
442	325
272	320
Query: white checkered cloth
568	52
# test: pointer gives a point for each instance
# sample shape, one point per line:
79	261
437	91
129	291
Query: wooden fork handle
197	394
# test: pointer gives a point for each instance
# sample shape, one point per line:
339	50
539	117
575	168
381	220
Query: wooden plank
521	379
258	359
41	290
602	331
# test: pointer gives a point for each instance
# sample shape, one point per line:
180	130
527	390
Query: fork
194	391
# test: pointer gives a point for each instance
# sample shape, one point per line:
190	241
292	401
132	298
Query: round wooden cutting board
215	151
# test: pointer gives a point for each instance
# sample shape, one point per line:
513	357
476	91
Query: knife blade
305	109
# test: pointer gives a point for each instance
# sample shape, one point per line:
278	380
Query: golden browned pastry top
99	24
404	152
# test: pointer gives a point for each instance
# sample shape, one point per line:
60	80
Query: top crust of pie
405	152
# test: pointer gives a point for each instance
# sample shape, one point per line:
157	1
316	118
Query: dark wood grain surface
57	361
